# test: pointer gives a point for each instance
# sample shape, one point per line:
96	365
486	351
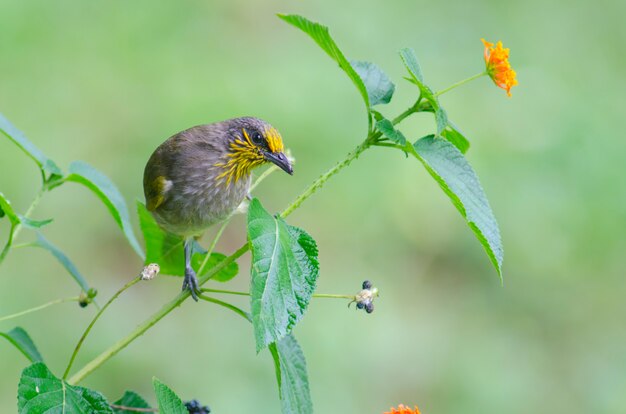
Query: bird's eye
257	138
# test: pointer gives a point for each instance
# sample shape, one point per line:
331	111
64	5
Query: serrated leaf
417	78
39	391
452	134
7	209
169	402
412	65
321	36
33	224
387	129
378	85
83	173
22	341
132	400
18	137
284	271
166	249
455	176
292	377
64	260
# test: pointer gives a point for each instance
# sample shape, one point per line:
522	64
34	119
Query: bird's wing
156	192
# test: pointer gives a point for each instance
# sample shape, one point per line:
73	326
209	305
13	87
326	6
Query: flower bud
150	272
85	298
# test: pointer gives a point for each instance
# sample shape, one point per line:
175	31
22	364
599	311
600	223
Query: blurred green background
106	82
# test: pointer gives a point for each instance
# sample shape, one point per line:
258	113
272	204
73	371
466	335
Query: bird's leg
191	281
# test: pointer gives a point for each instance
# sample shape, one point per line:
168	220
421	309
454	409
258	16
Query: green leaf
224	275
33	224
169	402
7	209
453	135
321	36
387	129
410	62
39	391
132	400
284	271
455	176
18	137
166	249
441	118
379	87
22	341
83	173
291	374
64	260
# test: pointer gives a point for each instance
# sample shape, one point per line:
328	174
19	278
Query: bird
199	176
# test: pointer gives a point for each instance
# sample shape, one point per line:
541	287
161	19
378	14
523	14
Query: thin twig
40	307
92	323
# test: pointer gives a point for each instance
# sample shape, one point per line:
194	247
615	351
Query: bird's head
252	142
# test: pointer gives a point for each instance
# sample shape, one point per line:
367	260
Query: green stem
317	184
214	243
262	177
92	323
332	296
227	305
411	110
151	321
459	83
315	295
40	307
16	228
182	296
390	145
227	292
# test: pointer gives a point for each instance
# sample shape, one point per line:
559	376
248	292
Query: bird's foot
191	283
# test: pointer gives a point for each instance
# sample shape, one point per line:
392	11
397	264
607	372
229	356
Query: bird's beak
281	160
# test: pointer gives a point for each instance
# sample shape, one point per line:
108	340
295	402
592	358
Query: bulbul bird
201	175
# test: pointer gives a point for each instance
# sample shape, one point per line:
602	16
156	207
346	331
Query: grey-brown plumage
199	176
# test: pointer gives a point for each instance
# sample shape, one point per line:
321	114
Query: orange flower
498	66
402	409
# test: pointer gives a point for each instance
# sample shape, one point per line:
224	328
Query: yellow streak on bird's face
274	140
242	158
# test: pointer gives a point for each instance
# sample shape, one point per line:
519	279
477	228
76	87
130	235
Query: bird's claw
191	283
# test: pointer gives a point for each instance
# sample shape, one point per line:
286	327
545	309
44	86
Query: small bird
199	176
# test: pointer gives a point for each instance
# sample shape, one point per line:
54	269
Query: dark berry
367	284
194	407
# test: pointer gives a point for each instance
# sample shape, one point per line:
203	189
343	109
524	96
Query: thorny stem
40	307
182	296
92	323
16	228
459	83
